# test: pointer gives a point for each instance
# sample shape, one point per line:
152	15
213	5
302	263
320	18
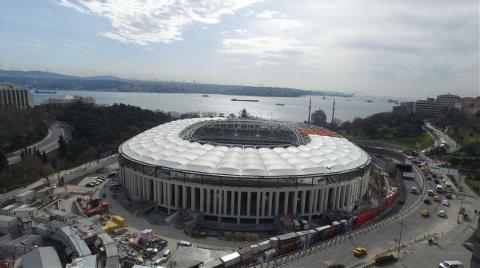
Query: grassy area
474	184
423	141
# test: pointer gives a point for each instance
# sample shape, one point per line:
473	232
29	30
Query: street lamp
400	239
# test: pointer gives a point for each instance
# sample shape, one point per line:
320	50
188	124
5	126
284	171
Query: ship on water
249	100
39	91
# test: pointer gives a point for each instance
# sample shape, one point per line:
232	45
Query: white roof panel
163	146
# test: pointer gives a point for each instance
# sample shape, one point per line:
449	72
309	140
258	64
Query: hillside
53	81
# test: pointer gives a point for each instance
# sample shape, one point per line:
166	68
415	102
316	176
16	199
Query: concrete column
326	193
257	218
208	200
225	202
177	193
155	191
202	200
277	203
311	199
192	198
184	203
302	202
239	206
294	203
165	189
249	195
263	201
285	206
270	203
232	203
169	198
215	201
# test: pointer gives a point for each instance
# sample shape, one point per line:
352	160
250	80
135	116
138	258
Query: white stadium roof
163	146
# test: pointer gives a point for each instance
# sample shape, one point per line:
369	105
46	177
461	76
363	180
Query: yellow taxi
359	251
436	198
425	213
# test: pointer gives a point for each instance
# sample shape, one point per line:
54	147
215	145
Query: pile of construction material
138	248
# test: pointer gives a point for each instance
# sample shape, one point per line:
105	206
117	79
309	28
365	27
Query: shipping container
7	221
264	245
320	232
254	248
287	243
26	197
269	254
329	233
231	259
274	242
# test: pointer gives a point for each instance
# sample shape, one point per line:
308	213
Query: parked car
468	245
436	198
359	251
427	201
442	213
425	213
184	243
445	202
430	192
451	264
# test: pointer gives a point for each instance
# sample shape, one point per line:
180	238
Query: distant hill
53	81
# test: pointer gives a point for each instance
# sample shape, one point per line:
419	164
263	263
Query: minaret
309	110
333	111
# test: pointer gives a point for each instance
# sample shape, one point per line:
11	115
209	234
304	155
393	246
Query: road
69	175
48	144
452	146
414	227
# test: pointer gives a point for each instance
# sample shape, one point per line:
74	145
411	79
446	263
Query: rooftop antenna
333	111
309	110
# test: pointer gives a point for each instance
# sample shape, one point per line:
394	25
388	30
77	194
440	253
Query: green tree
244	113
62	146
319	118
3	161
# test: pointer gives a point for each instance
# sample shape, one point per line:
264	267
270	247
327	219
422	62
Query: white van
414	190
184	243
296	225
439	188
451	264
166	253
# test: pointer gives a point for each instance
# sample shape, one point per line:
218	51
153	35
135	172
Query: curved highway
48	144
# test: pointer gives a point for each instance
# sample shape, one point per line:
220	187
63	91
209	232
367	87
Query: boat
250	100
392	101
280	104
369	101
38	91
324	97
205	95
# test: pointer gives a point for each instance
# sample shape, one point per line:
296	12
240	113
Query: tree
3	161
244	113
62	146
319	118
44	158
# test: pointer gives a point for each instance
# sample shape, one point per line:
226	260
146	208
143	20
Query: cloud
266	46
267	14
160	21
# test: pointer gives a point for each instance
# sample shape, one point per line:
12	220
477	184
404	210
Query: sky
404	48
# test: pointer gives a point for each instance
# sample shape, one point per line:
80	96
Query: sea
294	109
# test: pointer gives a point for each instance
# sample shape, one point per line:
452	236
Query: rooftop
166	146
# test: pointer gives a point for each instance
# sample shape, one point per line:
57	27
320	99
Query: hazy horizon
395	48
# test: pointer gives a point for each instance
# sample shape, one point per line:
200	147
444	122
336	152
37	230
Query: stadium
244	171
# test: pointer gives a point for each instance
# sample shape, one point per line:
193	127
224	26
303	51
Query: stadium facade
244	171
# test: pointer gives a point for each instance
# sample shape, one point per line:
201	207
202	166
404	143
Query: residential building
429	107
404	107
12	96
468	105
448	100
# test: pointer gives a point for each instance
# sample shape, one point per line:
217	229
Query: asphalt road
48	144
414	227
452	145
